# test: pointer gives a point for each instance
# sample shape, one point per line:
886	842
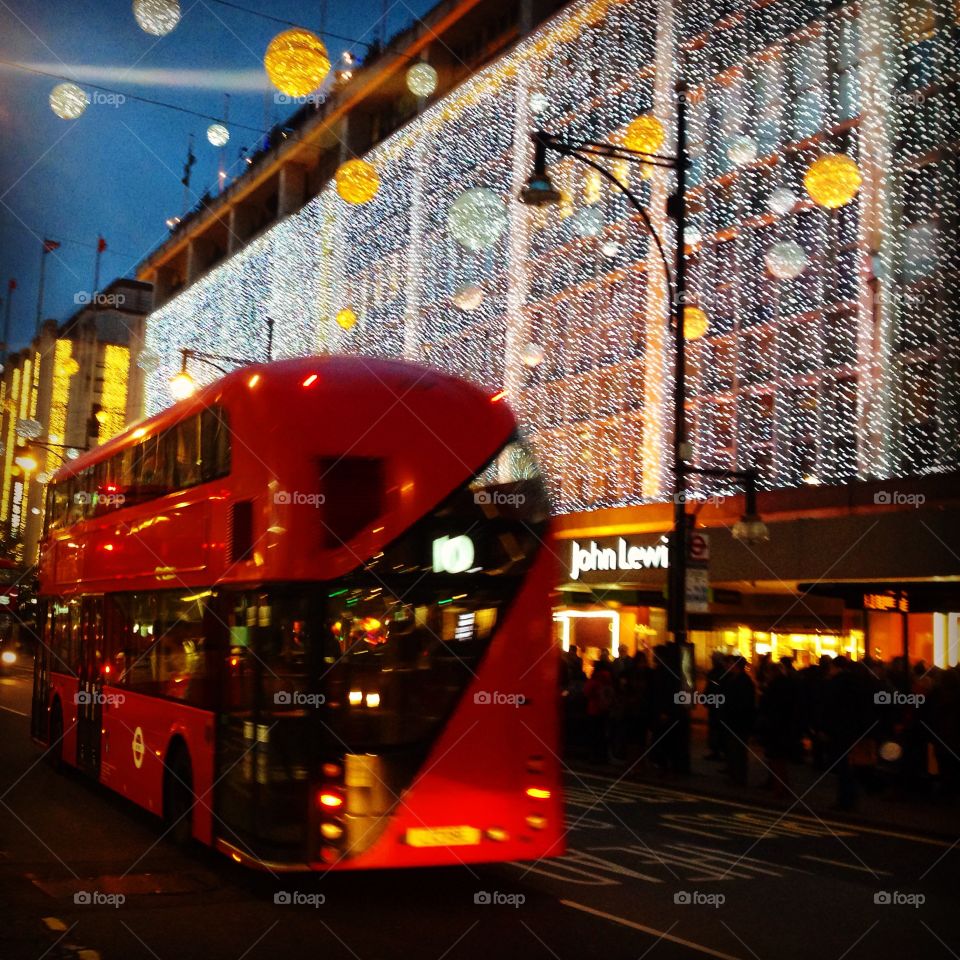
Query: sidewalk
816	790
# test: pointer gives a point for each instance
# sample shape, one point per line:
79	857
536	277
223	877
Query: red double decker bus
297	616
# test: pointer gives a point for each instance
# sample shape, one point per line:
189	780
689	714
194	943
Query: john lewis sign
627	560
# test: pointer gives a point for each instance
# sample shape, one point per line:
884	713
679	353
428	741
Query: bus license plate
443	836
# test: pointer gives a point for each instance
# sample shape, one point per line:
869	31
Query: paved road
651	872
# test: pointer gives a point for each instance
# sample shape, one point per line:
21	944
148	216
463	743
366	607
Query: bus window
151	469
215	444
187	471
354	489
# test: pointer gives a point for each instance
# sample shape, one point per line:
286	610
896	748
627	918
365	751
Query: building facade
72	388
830	356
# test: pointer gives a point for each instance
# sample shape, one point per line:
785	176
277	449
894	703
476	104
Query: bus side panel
64	688
138	730
477	773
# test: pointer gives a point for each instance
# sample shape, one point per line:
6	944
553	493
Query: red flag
50	245
101	244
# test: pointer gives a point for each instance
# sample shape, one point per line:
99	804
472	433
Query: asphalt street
650	872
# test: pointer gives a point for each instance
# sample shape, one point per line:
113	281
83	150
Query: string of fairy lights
823	344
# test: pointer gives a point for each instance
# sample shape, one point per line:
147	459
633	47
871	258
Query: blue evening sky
116	170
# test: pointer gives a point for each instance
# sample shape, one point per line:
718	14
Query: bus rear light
253	381
373	700
536	822
496	833
332	801
311	380
331	831
356	698
538	793
332	771
329	855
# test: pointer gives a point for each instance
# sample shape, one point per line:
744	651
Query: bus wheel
55	750
178	797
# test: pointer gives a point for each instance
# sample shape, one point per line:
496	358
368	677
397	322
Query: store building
830	357
72	388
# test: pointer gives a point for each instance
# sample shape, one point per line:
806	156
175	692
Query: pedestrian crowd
873	725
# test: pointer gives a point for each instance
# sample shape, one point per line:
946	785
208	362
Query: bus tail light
330	800
538	793
331	831
332	771
536	822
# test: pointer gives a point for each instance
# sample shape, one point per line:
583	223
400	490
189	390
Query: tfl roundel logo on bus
138	748
453	554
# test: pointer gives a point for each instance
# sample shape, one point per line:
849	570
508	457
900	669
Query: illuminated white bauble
477	218
218	134
532	354
782	200
786	260
539	102
156	17
742	150
422	79
610	249
468	297
29	428
587	222
68	101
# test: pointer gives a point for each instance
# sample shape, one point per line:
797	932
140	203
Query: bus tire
178	799
55	750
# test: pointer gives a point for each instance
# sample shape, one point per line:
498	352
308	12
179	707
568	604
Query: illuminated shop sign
616	555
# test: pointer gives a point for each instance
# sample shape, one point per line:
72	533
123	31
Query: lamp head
539	191
750	529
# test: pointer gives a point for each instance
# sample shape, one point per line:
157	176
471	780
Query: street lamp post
539	191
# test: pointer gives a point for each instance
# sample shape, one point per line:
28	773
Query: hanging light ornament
742	151
218	134
297	62
346	319
477	218
68	101
644	135
782	201
539	102
468	297
587	222
156	17
833	180
695	323
610	249
532	355
422	79
28	428
786	260
357	181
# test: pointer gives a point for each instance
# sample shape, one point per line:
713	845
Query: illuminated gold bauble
357	181
68	101
297	62
695	323
422	79
156	17
645	134
833	180
346	318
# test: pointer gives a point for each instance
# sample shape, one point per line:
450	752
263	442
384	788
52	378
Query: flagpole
43	277
101	246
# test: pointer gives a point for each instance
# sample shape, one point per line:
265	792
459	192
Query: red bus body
201	632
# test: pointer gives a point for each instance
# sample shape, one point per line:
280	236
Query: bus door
90	686
39	717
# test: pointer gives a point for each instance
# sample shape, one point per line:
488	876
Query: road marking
662	934
843	825
849	866
19	713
